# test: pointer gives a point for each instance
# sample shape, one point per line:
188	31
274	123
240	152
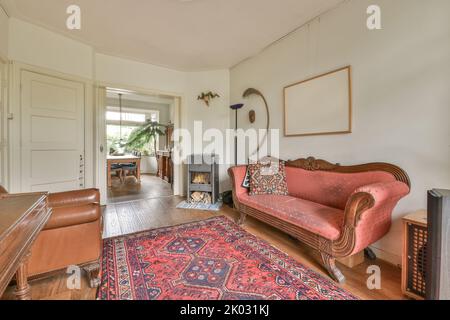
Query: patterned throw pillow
246	182
265	179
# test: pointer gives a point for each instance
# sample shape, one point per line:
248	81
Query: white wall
401	78
37	46
120	71
40	47
4	30
216	116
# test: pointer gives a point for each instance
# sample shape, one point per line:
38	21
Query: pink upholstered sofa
339	211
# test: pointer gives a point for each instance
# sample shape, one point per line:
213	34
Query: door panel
55	97
66	165
52	131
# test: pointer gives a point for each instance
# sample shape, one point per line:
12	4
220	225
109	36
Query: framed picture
319	106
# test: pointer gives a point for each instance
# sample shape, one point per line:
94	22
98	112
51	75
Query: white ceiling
188	35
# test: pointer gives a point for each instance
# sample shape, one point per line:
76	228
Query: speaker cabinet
438	262
415	255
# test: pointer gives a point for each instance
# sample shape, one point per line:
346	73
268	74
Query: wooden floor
150	187
125	218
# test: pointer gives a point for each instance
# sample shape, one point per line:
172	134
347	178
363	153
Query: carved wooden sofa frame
358	203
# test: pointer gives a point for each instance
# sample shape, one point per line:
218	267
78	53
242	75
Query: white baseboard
388	257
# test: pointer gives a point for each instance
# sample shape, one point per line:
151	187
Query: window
127	117
131	120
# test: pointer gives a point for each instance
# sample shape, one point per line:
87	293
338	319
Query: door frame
14	123
4	91
101	139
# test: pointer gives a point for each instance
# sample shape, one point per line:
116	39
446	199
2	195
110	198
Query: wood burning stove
203	179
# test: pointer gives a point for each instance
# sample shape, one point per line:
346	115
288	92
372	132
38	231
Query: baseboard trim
388	257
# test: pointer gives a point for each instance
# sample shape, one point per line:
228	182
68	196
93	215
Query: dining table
120	160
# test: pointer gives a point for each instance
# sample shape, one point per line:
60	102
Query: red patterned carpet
209	260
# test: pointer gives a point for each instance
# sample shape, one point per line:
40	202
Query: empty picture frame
319	106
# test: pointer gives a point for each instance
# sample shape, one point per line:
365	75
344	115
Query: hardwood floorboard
111	222
150	187
129	221
131	217
141	208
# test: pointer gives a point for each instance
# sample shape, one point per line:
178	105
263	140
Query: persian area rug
213	259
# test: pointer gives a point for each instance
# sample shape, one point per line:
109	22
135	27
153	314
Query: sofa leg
242	219
93	271
369	254
330	264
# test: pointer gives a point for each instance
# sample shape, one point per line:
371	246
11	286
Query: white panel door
52	133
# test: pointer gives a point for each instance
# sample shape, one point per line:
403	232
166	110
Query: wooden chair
130	169
118	171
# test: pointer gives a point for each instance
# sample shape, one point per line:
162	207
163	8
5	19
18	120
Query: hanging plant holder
207	97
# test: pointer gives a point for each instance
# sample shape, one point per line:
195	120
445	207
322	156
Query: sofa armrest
373	196
74	198
368	215
386	192
237	175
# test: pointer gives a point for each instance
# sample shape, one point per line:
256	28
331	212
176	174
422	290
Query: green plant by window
145	135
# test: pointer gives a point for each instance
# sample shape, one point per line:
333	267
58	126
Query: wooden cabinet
165	166
22	217
415	255
169	137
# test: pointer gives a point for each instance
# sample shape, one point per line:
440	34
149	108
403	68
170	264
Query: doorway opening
139	145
